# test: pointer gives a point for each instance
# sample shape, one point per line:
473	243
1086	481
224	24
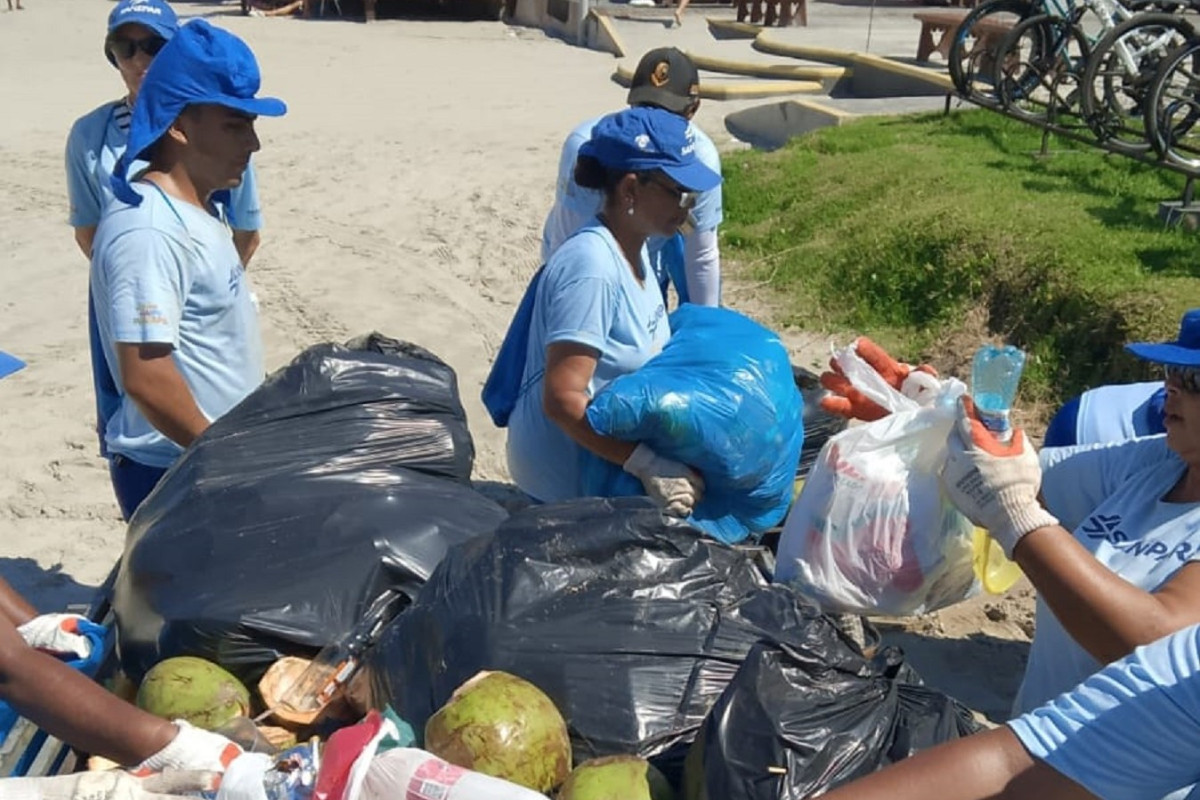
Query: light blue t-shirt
1119	411
574	205
588	295
165	271
1111	497
97	141
1132	730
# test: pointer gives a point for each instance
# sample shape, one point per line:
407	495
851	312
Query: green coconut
194	690
616	778
503	726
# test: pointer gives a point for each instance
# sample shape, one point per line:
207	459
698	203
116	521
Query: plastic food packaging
413	774
872	531
343	476
722	398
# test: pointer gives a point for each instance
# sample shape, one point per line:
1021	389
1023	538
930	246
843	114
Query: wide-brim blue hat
202	64
647	139
1182	352
9	364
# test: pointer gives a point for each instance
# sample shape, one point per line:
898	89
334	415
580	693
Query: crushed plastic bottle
995	373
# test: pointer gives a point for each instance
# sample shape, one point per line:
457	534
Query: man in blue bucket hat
37	684
137	30
176	319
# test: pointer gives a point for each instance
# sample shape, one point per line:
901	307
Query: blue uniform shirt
167	272
587	295
574	206
98	140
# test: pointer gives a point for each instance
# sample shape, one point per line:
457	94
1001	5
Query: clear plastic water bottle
995	373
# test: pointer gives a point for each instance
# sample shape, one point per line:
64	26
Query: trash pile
317	579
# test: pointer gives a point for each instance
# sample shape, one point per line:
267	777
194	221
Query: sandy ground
404	192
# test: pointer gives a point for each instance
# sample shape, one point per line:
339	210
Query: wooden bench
989	31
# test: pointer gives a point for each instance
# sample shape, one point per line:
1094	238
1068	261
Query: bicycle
1173	107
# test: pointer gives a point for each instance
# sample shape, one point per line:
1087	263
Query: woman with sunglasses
137	30
598	312
1111	542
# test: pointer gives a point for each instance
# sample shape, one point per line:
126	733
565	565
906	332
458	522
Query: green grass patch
933	232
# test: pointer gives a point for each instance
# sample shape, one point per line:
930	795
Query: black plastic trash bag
630	621
373	402
274	532
825	715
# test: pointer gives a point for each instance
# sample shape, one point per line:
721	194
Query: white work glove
995	484
110	785
56	633
675	487
191	749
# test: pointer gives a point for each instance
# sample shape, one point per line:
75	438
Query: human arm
996	485
702	266
84	236
991	765
569	370
154	383
14	608
246	243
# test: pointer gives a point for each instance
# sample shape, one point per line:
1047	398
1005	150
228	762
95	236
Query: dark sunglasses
125	49
685	198
1187	378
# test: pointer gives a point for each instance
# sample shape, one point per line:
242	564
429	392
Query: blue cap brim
9	364
693	178
259	106
1166	353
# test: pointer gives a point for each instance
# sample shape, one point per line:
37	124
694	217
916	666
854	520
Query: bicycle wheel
1173	108
1117	78
1038	67
972	51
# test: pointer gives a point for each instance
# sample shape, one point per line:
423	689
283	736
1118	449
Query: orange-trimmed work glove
994	484
846	401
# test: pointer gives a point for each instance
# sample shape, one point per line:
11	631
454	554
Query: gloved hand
110	785
995	484
846	401
676	487
191	749
56	633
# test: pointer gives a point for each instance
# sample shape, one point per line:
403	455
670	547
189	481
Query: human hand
112	785
56	633
995	484
192	749
846	401
676	487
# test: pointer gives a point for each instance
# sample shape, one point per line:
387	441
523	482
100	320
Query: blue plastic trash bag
721	398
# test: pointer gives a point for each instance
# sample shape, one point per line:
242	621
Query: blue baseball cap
9	364
202	64
1182	352
154	14
645	139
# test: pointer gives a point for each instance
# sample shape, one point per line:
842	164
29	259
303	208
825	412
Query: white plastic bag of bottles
413	774
872	532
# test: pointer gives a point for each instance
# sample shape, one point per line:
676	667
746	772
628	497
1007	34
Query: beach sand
404	192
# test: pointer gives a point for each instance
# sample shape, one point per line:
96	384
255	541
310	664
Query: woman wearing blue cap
1111	541
69	706
137	30
599	313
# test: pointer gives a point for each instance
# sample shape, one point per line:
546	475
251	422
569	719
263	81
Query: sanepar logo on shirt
1107	527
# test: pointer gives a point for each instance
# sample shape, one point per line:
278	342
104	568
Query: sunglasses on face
125	49
686	199
1186	378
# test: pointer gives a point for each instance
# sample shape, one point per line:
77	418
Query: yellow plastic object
994	570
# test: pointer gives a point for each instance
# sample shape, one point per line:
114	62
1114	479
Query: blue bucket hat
1182	352
9	364
202	64
153	14
645	139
